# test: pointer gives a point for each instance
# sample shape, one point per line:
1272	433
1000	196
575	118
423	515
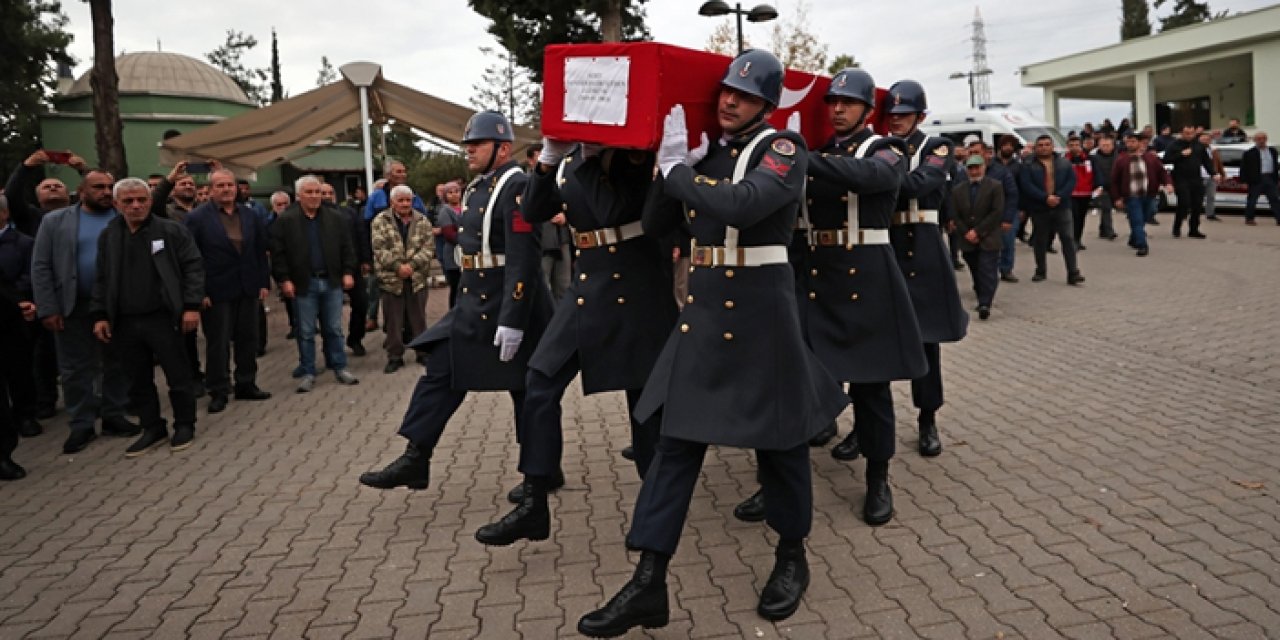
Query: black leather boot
848	448
411	469
629	453
930	443
824	436
516	494
530	520
787	582
751	509
642	602
878	508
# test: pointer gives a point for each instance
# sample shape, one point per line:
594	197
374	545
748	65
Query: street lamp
960	75
759	13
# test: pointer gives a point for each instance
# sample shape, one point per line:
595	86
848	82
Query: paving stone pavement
1111	469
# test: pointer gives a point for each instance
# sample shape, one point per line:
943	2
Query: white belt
471	262
842	237
609	236
739	257
921	216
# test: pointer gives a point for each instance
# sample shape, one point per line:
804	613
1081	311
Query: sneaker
1213	218
151	438
183	434
306	384
345	376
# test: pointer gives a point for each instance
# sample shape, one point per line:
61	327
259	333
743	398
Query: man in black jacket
1260	169
1103	160
359	230
233	242
1046	183
314	260
146	293
1187	157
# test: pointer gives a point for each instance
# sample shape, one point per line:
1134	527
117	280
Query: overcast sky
432	45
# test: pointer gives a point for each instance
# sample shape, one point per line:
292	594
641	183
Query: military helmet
853	83
756	72
906	96
488	125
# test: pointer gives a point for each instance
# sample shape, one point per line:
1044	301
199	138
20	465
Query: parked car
989	122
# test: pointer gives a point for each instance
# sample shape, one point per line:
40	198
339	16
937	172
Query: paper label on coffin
596	89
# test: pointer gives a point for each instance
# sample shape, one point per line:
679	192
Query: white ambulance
990	122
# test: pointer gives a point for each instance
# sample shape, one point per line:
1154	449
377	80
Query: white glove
699	152
553	151
674	148
508	340
793	122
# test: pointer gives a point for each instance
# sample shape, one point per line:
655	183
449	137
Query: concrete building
1201	75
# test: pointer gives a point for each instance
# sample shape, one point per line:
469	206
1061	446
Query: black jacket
1251	165
291	250
15	261
1186	166
230	274
25	214
176	258
1102	166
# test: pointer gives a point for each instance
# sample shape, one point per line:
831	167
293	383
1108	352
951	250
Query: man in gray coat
63	268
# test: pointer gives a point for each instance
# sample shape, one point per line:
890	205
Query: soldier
484	342
610	325
856	311
735	371
924	259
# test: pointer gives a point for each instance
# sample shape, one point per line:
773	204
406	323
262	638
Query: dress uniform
610	325
923	256
485	341
735	371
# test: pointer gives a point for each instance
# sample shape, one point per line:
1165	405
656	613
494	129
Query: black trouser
14	369
228	325
262	325
985	271
542	442
1044	225
1105	227
45	365
953	243
359	314
140	342
453	277
1079	215
1265	186
926	391
192	349
663	503
434	401
1190	204
873	419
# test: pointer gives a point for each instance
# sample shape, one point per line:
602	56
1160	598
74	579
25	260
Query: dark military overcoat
514	295
922	254
859	315
618	310
736	370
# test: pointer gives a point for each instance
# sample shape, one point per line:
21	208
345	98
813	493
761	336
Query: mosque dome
168	74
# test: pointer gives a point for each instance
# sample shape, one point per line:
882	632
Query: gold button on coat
813	295
853	271
853	297
582	277
617	276
613	249
813	272
684	328
622	300
728	336
728	304
484	316
728	273
688	299
581	301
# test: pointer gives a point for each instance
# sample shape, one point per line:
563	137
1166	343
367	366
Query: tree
1186	12
1135	19
795	45
842	61
229	58
34	43
432	168
724	39
327	75
526	27
508	88
108	128
277	87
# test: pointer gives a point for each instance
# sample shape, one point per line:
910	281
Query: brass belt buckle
584	241
701	256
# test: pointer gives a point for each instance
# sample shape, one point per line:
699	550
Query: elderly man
147	290
394	175
63	268
979	207
1260	169
402	250
280	201
314	260
232	240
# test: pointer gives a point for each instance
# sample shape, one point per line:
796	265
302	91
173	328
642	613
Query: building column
1144	101
1266	94
1051	106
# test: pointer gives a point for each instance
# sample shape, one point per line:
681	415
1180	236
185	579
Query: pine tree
327	74
277	88
507	87
526	27
31	50
841	62
1135	19
229	58
1185	12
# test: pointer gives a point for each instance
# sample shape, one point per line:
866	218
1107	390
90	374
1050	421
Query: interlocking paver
1101	489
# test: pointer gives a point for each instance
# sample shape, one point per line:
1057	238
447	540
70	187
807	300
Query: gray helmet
756	72
906	96
488	125
853	83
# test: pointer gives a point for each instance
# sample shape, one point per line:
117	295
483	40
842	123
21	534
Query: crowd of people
650	273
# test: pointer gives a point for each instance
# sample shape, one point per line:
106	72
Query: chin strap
493	156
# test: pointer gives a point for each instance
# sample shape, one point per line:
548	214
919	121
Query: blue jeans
1009	238
1139	210
322	302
